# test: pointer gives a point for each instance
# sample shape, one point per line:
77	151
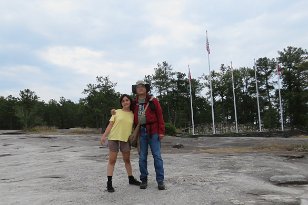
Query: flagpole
191	105
234	100
210	79
259	116
280	105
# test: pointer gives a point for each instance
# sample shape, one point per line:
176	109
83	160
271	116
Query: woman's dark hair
130	99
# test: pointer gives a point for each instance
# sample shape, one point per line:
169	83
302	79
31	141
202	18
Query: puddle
12	133
53	176
45	137
5	155
5	145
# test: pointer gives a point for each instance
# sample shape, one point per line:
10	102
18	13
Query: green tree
26	108
8	119
101	98
162	82
294	84
52	114
247	104
265	70
180	100
68	113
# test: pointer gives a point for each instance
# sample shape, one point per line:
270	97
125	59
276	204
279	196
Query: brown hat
141	82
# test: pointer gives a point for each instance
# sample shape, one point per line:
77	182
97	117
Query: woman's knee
126	157
112	161
126	160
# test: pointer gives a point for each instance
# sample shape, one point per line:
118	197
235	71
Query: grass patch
284	147
259	148
303	136
42	129
80	130
228	150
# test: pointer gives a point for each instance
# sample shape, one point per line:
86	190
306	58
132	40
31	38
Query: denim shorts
116	145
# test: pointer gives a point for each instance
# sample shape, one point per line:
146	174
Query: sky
56	47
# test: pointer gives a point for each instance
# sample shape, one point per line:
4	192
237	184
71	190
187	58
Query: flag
279	70
207	44
189	74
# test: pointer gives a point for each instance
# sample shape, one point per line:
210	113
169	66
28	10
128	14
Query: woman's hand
103	139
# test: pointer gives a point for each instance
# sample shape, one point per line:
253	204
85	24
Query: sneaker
134	181
143	184
109	187
161	186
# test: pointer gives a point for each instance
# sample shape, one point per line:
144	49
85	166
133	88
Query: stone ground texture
71	169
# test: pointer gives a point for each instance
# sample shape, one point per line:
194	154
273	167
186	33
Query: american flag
279	70
207	44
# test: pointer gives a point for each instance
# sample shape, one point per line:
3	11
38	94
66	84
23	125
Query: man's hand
113	112
161	136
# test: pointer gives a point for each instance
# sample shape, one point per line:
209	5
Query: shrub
42	129
170	129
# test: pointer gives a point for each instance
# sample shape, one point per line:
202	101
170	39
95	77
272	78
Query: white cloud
59	7
77	58
91	63
172	29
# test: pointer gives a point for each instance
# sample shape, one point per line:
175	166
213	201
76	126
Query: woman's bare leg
111	162
128	166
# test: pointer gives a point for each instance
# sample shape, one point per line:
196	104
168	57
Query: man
152	130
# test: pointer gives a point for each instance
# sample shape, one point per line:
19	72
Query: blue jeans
154	142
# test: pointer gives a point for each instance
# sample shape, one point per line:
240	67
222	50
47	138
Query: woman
119	128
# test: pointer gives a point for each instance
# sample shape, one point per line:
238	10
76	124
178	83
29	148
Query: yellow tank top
122	125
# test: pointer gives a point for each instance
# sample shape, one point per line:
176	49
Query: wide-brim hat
141	82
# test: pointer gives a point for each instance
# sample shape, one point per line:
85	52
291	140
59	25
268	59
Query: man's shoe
134	181
109	187
161	186
143	184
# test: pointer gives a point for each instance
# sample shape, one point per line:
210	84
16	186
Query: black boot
109	184
133	181
144	184
161	186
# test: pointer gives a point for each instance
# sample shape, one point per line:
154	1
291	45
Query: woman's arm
107	131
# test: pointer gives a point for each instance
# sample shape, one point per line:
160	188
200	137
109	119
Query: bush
170	129
42	129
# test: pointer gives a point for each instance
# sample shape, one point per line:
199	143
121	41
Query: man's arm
160	119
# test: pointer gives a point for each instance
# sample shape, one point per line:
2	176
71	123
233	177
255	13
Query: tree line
172	89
